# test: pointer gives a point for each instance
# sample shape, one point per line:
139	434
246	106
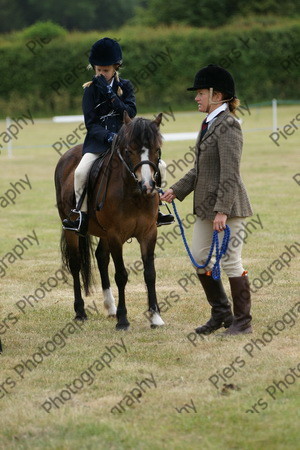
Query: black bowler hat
105	52
213	76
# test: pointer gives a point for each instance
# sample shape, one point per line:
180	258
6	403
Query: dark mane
142	132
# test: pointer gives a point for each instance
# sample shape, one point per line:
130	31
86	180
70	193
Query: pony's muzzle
147	187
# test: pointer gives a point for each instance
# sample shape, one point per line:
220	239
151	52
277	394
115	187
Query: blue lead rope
216	271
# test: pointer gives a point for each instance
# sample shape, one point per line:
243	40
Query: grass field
185	405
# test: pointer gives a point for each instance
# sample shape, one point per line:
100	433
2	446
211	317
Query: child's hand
101	84
104	88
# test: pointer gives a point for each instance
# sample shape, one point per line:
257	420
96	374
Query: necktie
204	127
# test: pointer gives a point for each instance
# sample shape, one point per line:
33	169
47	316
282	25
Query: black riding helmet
105	52
213	76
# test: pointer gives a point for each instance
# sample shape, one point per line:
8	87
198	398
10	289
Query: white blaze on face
145	168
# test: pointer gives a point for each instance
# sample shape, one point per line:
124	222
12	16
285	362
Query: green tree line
210	13
51	68
111	14
72	14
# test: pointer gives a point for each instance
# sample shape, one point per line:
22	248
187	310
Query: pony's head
139	143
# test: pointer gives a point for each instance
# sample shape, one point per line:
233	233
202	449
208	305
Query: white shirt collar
216	111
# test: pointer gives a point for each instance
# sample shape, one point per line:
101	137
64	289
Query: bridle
132	169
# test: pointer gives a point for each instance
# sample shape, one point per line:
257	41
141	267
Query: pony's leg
147	249
102	256
121	278
73	257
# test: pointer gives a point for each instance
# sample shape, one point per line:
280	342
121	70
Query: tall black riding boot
241	296
221	314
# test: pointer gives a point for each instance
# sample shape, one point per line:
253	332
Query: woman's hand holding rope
168	196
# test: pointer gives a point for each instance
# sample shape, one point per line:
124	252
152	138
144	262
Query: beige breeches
80	177
202	239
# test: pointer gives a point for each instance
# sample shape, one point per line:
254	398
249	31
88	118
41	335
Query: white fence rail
167	136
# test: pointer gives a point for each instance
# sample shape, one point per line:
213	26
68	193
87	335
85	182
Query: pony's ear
126	118
158	119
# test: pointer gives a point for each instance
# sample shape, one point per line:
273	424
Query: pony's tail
78	258
85	262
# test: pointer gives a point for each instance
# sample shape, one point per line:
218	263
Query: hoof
81	317
111	316
122	326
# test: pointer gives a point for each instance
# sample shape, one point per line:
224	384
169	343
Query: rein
216	270
126	165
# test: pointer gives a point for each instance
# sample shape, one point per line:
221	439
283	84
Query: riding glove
107	91
101	84
110	137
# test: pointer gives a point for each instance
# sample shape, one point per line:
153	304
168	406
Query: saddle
102	166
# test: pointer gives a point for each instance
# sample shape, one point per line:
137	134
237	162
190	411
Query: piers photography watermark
58	341
291	61
28	302
266	278
16	125
254	346
70	77
36	44
296	178
76	136
135	395
275	389
287	130
153	63
9	196
187	408
86	377
17	252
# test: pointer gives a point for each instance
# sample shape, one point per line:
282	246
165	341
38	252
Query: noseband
132	170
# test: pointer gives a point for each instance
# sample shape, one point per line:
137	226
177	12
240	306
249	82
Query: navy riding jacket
102	116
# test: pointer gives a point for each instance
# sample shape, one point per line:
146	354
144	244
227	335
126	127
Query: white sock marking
109	302
156	320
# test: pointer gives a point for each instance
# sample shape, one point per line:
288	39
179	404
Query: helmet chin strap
210	101
113	77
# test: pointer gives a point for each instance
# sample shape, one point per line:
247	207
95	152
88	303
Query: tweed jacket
101	116
215	177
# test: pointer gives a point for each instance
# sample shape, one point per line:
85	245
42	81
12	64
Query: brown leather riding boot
221	315
241	297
